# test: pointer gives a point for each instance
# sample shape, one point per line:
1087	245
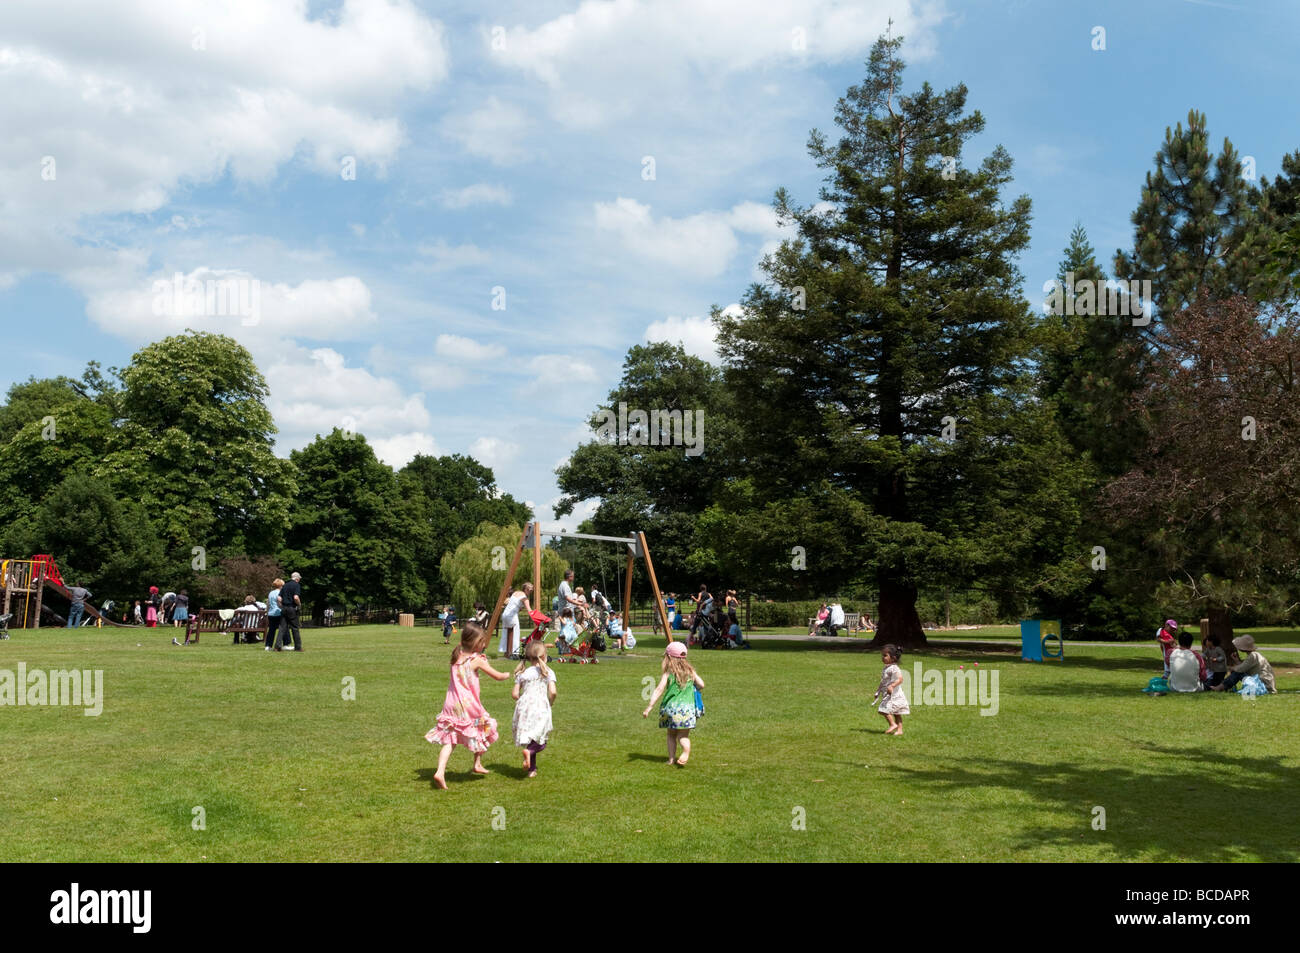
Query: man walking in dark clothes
291	612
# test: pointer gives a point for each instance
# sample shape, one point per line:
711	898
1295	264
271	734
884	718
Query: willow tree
476	570
884	358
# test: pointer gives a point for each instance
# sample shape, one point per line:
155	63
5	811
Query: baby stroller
584	649
710	634
540	621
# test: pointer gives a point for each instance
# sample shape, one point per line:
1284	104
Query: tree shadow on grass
1157	811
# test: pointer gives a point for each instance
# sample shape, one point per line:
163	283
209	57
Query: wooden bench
850	621
209	620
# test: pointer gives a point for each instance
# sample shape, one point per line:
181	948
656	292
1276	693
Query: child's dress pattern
895	702
463	720
532	719
678	710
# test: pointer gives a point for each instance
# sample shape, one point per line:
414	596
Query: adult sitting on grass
1186	667
1252	663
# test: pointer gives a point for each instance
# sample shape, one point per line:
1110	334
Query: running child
893	702
679	711
534	694
463	719
448	625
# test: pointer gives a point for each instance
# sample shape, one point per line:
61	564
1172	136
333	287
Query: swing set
531	539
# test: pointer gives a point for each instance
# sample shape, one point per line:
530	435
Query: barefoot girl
534	693
678	712
463	720
893	703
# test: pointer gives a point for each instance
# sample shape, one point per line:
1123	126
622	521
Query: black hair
1214	639
1185	640
893	651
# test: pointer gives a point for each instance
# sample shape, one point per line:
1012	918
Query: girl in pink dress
463	720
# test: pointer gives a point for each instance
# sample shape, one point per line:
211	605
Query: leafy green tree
350	532
1217	492
885	357
99	538
196	447
450	497
72	438
660	488
477	569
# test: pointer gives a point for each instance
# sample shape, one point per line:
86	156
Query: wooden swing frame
531	539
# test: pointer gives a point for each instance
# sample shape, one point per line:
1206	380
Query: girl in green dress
678	712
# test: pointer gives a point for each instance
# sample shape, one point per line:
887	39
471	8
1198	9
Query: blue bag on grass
1252	685
1157	685
699	703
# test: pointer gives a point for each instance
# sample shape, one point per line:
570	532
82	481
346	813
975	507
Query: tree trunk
896	620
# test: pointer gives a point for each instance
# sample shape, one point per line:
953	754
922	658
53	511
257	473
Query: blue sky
502	145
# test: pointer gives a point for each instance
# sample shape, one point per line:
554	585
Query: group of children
1186	670
464	721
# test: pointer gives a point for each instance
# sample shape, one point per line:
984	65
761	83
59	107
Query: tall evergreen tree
1197	224
885	357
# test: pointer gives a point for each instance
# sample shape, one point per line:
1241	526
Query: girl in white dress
893	702
534	692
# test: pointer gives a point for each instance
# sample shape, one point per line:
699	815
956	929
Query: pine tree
1092	363
1196	226
884	359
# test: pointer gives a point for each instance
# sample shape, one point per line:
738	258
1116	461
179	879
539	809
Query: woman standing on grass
679	710
152	605
518	602
463	719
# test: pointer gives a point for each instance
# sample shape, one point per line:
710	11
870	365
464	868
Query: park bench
242	623
850	621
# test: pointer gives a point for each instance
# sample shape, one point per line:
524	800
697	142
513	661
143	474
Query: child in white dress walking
534	693
893	702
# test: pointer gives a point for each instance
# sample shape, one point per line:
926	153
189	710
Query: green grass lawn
286	769
1264	636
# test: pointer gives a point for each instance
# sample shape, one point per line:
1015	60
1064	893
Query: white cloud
315	392
701	244
444	257
582	511
128	110
494	131
560	370
398	451
254	311
696	335
494	453
478	194
467	350
665	44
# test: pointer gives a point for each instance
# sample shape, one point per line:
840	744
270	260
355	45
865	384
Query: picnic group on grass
1187	670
